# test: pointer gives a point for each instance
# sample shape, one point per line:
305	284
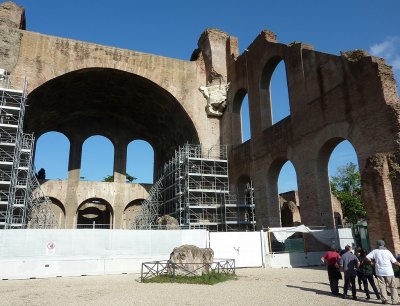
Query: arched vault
119	105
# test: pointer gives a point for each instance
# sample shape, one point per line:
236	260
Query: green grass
205	279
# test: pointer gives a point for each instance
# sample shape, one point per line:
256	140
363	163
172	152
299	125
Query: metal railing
165	267
94	225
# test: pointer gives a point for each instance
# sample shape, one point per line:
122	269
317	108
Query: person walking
366	272
384	271
359	275
349	263
331	259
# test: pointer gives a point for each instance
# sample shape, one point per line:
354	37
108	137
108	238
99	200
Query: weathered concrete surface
121	197
168	222
12	17
191	260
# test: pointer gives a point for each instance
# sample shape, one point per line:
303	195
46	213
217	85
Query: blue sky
172	28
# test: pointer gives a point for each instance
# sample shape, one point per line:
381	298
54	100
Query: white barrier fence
50	253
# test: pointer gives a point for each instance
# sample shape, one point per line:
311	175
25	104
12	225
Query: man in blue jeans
349	264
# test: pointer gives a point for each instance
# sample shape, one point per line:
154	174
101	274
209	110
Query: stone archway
94	213
119	105
59	211
130	212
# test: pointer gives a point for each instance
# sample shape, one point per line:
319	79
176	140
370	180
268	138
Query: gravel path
299	286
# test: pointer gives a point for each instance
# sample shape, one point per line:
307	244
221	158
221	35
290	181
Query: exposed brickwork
352	96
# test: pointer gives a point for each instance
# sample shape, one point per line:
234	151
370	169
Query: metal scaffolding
148	213
194	189
22	203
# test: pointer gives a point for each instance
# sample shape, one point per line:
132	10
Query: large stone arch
324	190
119	105
95	212
272	194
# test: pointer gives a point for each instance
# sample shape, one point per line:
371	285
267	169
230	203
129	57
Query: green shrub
205	279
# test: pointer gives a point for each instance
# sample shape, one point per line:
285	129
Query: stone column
266	198
314	193
70	212
120	157
75	157
379	200
120	154
74	169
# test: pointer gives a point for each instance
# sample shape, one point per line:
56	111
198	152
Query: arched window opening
97	159
245	119
288	196
274	93
51	156
287	180
94	213
241	118
345	183
140	161
130	212
279	93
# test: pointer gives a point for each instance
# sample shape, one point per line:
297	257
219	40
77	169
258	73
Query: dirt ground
255	286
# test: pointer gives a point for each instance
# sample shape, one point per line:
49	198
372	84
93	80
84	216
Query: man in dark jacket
349	264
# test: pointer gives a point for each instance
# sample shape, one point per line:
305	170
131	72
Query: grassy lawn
205	279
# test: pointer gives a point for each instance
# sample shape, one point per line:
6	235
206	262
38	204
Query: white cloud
389	50
383	49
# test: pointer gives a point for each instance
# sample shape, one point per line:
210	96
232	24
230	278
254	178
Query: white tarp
244	247
283	233
339	237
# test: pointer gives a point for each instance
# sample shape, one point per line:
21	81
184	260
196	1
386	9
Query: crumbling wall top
12	15
269	36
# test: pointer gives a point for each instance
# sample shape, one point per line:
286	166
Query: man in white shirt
384	271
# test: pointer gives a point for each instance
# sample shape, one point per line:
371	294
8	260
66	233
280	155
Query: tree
346	186
110	178
41	175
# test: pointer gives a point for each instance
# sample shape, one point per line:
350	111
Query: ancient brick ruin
82	89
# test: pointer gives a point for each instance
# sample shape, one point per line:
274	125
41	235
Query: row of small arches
97	213
140	160
52	154
279	101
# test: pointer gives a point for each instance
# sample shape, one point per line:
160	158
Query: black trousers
370	279
349	278
334	276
